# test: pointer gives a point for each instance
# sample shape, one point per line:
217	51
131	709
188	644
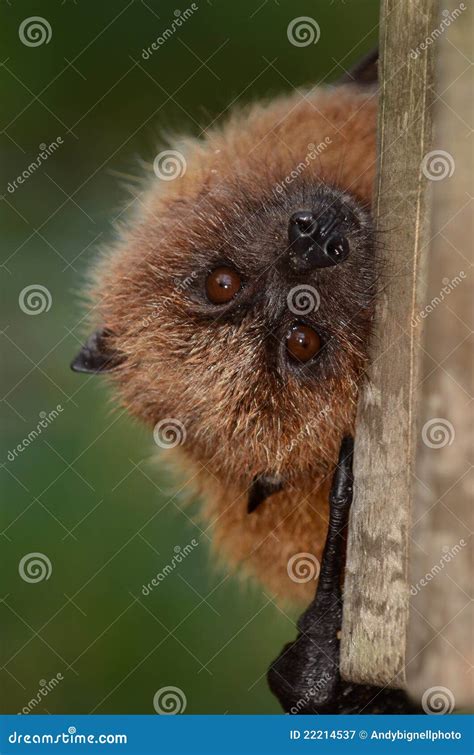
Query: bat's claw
305	676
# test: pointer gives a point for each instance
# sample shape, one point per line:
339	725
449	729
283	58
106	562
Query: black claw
343	478
340	499
305	676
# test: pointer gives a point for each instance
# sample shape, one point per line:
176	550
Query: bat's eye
302	342
222	284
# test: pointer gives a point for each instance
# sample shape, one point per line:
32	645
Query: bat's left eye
302	342
222	284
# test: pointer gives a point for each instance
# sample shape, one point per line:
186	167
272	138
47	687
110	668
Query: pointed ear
364	72
263	486
96	355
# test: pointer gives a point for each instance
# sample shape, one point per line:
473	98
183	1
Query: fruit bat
235	312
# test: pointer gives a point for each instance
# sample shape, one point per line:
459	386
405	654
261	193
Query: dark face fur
233	375
240	306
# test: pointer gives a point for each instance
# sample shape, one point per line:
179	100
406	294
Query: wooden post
373	644
440	654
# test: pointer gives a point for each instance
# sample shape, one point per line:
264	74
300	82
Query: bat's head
235	312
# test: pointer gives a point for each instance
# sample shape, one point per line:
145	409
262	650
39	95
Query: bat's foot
306	674
305	677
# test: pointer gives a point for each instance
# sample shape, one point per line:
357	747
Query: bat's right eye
222	284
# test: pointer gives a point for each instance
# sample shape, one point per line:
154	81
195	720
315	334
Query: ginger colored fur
219	371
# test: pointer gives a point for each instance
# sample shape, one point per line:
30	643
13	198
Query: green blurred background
87	492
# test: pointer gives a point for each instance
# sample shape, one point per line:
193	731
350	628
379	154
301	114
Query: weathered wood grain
376	584
440	650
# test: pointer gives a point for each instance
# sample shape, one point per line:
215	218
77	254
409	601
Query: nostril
304	220
302	223
337	248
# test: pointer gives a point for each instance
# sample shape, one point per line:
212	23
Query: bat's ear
96	354
364	72
263	486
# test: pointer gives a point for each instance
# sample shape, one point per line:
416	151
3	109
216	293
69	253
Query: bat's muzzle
315	241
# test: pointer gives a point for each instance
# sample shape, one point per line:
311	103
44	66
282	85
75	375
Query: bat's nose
315	241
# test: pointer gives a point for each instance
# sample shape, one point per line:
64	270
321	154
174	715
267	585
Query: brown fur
219	373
